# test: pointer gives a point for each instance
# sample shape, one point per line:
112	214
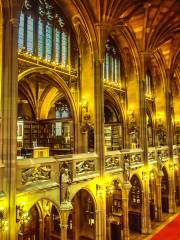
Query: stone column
146	221
142	104
65	210
172	190
41	229
168	96
99	133
125	210
9	91
108	228
159	199
101	216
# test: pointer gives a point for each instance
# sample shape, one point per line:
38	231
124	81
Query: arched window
30	34
113	128
43	32
111	67
135	195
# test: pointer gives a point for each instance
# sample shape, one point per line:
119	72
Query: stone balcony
43	173
158	152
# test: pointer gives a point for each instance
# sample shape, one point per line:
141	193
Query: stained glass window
107	62
115	69
40	38
57	46
21	31
64	48
51	41
112	68
48	42
30	34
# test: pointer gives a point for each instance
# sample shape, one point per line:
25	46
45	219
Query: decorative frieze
36	174
84	167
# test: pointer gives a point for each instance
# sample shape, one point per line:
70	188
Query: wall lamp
144	176
171	167
22	215
3	221
99	190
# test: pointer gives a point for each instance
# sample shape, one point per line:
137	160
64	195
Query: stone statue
126	168
64	185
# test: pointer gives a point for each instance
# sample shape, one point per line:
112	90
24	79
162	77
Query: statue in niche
64	185
161	137
133	132
126	168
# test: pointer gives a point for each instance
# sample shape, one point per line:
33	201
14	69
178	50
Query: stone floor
156	227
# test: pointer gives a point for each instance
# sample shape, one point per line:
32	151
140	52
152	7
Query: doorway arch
82	220
165	191
135	204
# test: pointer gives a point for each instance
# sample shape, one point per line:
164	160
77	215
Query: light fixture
144	176
22	215
99	190
152	176
171	167
3	221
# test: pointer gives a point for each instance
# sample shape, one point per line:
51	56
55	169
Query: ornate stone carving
112	162
65	181
151	156
126	168
85	167
35	174
135	158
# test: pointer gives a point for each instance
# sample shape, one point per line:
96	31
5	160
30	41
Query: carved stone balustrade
81	166
152	154
176	152
134	156
36	173
84	166
113	161
163	153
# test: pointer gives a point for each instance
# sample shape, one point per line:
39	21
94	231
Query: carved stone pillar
101	217
142	97
9	92
159	198
146	222
65	210
108	228
169	123
41	229
172	200
125	209
99	93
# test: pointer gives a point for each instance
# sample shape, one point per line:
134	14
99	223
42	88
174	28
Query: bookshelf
113	136
57	135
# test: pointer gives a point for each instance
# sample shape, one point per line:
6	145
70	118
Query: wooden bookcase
113	136
57	135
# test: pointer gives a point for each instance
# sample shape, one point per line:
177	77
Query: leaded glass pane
48	42
30	34
115	69
21	31
57	46
107	65
40	38
64	48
